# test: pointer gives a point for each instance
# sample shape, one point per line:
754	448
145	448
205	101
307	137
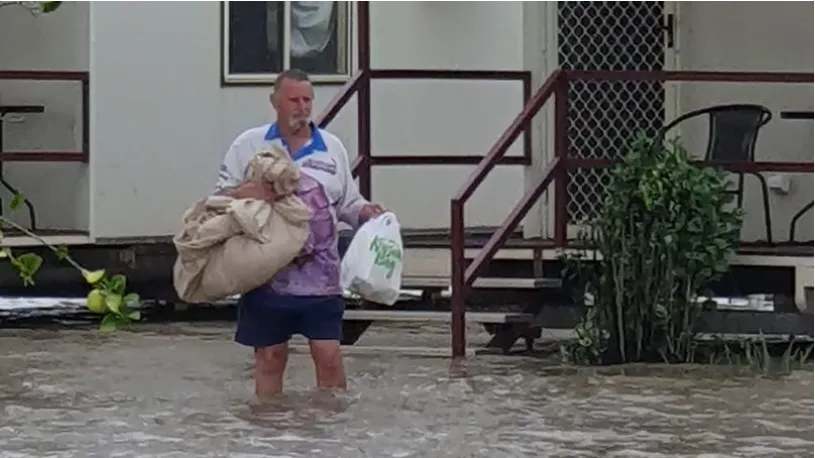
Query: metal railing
43	156
557	171
360	85
82	155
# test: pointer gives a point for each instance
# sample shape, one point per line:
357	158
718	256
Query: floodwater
185	391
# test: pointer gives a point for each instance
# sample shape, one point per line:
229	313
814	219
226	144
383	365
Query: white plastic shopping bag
372	265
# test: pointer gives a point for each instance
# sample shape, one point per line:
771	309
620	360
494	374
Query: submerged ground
185	391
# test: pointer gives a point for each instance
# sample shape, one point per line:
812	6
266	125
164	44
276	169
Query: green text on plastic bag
387	254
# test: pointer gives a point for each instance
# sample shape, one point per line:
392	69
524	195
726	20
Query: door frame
541	58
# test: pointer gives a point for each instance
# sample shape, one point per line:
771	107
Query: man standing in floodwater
306	297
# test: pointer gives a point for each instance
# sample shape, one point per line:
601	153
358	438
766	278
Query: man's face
292	101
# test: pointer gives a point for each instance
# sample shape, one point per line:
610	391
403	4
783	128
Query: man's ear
273	100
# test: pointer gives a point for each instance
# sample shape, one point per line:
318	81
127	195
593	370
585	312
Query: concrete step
374	350
405	294
434	317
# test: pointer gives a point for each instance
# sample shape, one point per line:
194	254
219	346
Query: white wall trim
435	262
540	58
92	116
672	62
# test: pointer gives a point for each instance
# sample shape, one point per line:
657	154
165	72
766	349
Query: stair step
434	317
405	295
518	283
485	282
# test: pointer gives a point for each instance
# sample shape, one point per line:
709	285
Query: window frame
266	79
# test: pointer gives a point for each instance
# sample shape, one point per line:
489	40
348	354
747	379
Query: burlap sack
231	246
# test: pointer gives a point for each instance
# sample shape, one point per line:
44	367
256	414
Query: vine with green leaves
108	295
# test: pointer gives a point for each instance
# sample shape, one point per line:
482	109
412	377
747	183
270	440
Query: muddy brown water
185	391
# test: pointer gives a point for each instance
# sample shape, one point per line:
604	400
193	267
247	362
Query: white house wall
755	36
161	122
58	41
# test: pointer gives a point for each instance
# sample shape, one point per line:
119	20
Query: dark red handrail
500	236
43	75
343	96
507	138
744	167
558	84
360	84
697	76
434	74
54	156
461	280
689	76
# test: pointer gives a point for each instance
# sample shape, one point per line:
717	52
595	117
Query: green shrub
666	229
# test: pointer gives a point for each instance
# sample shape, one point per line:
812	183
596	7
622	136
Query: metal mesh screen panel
605	116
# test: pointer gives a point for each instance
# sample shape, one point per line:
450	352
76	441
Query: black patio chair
733	133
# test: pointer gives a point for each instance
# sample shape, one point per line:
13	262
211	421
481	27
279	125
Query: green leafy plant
665	230
760	356
591	339
108	295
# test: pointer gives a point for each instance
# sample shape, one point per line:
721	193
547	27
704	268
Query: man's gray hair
293	74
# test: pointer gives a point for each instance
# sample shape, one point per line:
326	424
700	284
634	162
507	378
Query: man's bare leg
270	364
328	365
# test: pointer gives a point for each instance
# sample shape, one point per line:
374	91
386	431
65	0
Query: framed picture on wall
259	39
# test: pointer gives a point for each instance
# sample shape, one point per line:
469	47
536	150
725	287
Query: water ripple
176	392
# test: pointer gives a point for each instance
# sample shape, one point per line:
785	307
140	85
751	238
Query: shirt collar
316	143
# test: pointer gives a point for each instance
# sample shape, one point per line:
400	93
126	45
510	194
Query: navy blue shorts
266	318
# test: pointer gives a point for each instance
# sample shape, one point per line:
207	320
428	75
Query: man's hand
254	190
370	211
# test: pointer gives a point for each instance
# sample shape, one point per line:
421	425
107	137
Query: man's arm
230	174
230	180
352	202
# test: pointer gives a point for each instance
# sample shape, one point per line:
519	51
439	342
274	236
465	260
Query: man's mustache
299	120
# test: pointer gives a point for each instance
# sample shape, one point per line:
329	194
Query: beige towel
230	246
